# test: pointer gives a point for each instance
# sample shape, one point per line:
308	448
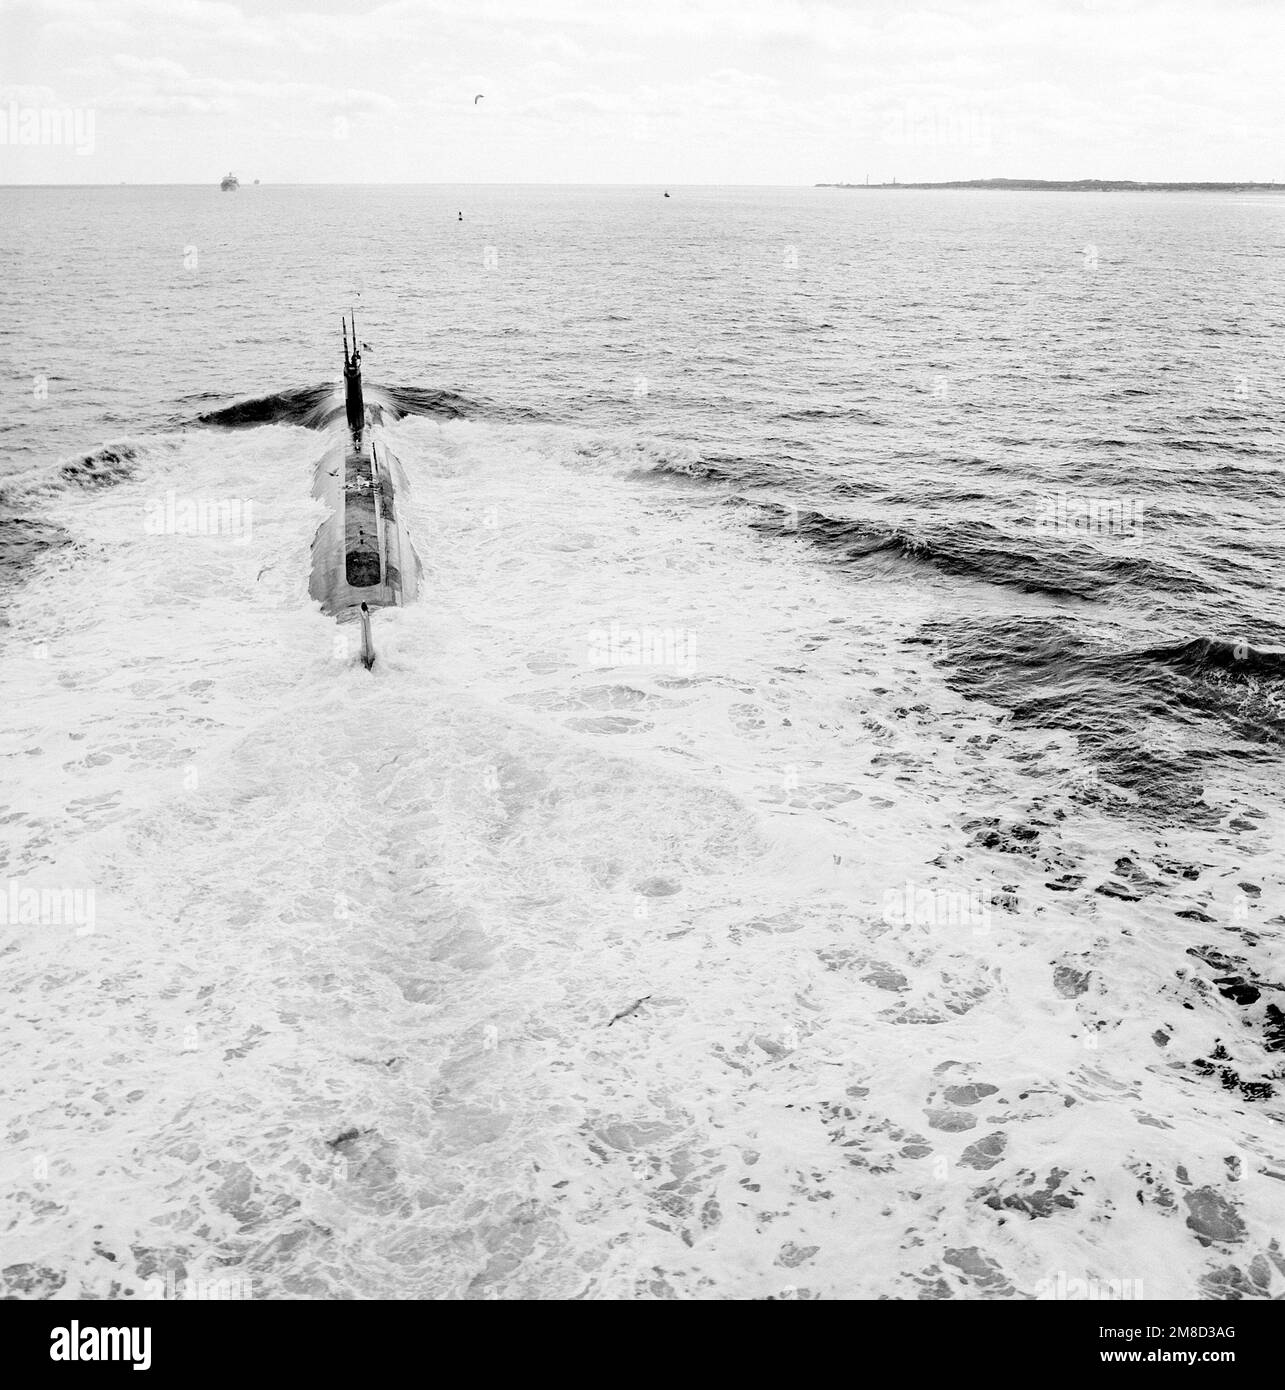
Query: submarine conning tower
354	404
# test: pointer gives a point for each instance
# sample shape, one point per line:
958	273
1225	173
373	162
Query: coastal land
1079	186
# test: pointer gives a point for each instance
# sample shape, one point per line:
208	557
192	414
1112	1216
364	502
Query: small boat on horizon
230	183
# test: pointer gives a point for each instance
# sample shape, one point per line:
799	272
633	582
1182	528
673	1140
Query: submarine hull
362	552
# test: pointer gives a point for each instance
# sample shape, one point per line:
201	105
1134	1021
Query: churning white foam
642	925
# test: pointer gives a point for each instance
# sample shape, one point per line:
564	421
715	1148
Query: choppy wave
23	541
1218	654
981	551
102	467
1153	721
316	407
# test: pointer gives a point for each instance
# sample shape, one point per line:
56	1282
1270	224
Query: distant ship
230	183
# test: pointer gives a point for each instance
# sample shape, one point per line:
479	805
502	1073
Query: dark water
971	505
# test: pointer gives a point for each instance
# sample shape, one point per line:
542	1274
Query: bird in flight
478	98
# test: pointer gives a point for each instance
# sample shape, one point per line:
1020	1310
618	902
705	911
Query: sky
639	91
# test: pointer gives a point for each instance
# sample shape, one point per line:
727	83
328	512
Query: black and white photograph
643	660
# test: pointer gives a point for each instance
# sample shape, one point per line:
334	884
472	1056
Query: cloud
793	89
22	95
161	86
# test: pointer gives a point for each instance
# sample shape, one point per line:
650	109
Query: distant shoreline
1079	186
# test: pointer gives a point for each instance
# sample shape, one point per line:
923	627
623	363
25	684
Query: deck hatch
362	568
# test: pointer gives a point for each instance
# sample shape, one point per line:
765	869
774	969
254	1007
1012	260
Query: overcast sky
647	91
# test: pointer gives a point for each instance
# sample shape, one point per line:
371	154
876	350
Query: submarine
362	556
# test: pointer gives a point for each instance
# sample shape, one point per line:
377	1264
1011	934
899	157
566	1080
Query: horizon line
630	183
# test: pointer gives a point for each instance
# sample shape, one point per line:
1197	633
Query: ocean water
819	833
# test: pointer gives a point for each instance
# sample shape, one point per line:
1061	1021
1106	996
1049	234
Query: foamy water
521	968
